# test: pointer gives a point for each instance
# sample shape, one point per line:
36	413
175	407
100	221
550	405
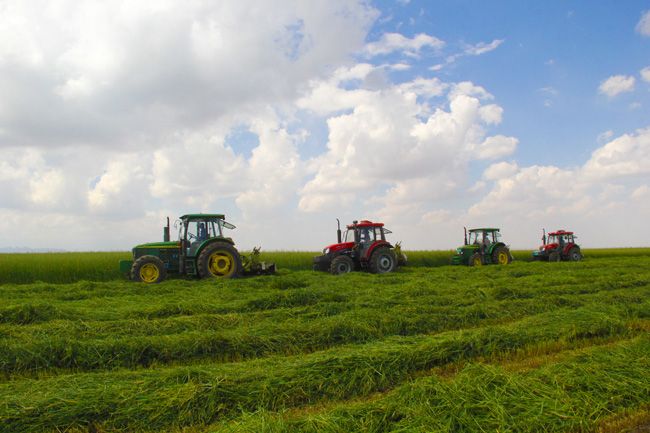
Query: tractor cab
558	245
197	229
363	246
483	246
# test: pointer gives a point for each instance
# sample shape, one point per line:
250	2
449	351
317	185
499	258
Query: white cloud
594	198
645	74
391	42
500	170
643	26
482	47
392	149
496	146
627	155
616	84
605	136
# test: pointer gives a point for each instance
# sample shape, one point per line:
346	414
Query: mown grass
576	394
103	266
423	349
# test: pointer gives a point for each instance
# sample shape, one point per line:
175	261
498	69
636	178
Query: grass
102	266
524	347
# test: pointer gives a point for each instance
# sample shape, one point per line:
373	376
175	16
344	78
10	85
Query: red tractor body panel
374	246
335	248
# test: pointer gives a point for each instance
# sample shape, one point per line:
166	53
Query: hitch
251	264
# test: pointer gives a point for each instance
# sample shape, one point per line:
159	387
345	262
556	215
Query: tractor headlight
459	250
326	251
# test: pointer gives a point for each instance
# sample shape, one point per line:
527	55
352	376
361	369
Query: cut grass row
94	301
301	319
162	398
580	393
102	266
137	343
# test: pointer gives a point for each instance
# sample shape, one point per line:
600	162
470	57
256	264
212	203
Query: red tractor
560	245
363	247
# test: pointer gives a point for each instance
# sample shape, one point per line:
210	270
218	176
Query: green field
558	347
102	266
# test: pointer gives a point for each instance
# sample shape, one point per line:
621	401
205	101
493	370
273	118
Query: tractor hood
338	247
159	245
549	247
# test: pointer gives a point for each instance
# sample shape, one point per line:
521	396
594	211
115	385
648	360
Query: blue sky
544	75
427	115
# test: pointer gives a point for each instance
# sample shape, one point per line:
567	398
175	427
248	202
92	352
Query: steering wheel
191	236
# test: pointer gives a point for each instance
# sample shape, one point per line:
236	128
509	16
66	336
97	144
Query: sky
425	115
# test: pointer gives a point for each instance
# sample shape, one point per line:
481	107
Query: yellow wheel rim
502	258
477	261
149	273
221	264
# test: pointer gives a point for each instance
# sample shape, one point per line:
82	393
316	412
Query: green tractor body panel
463	254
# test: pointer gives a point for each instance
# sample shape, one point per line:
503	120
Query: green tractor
484	247
201	251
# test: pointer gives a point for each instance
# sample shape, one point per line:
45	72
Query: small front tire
148	269
475	260
341	265
554	257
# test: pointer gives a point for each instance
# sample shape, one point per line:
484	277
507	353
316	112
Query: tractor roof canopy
203	216
560	232
484	230
365	223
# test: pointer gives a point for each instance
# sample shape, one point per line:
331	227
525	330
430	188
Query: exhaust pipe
338	231
543	236
166	236
465	228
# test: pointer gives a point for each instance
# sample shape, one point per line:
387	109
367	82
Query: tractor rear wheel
219	260
575	255
341	265
554	257
382	261
501	256
475	260
148	269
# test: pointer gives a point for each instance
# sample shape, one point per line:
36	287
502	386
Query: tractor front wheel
475	260
341	265
501	256
575	255
219	260
554	257
148	269
383	261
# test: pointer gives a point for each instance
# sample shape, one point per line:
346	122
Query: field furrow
524	347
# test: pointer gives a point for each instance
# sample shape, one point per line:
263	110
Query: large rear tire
575	255
382	261
475	260
341	265
219	260
501	256
148	269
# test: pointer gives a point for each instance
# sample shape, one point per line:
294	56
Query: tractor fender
494	247
374	246
207	242
567	248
